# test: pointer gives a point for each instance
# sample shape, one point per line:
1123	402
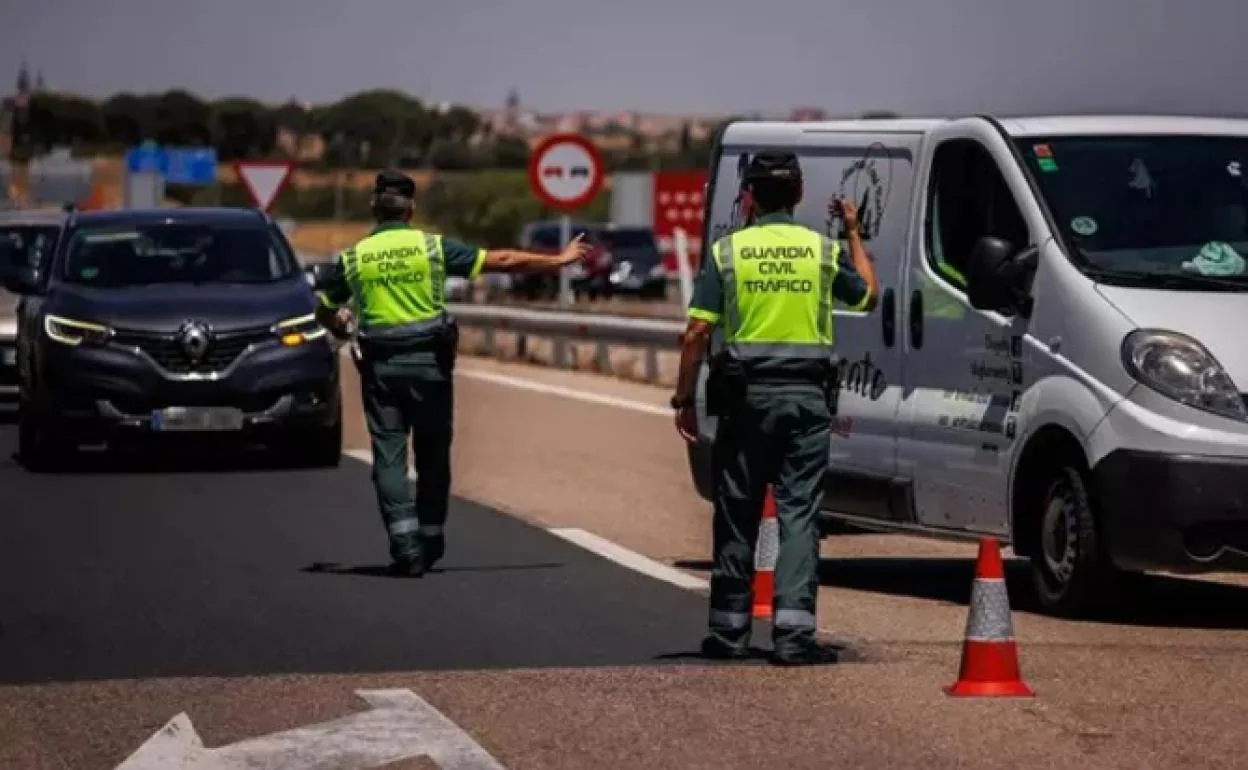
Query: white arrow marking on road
400	725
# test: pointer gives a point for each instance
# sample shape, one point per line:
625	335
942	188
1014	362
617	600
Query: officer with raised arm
771	286
396	280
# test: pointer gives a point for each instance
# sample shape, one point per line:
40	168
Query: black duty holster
446	346
832	386
725	384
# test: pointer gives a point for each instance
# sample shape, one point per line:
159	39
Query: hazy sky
914	56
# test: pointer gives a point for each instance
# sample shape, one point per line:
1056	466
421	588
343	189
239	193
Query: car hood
1214	319
164	307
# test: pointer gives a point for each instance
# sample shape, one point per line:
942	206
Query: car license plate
183	418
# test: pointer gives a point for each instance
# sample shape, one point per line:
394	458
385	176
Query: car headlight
296	331
658	271
1180	368
68	331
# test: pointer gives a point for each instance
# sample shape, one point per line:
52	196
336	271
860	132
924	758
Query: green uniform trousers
779	436
410	397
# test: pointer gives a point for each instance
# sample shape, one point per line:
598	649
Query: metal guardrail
565	328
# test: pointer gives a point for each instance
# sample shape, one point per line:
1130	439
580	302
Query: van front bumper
1181	513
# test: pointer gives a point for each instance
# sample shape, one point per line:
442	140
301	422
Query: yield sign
263	180
400	725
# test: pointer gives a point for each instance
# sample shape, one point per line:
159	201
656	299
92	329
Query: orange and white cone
765	553
989	653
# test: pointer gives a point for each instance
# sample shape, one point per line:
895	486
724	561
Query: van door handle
916	319
888	318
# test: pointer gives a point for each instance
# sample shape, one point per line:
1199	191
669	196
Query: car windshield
141	255
1168	211
634	245
26	245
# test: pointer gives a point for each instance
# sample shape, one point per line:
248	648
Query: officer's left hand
687	424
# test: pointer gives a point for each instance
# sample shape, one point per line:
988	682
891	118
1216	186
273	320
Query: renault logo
194	337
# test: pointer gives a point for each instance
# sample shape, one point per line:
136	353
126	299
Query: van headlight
1180	368
296	331
69	331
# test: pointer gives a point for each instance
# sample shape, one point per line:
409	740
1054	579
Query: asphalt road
132	593
125	571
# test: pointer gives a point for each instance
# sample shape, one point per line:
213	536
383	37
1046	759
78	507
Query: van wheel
1070	570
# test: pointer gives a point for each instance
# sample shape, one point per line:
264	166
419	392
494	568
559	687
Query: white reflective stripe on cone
768	549
989	619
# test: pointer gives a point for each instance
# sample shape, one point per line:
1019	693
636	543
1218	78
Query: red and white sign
679	202
566	171
263	180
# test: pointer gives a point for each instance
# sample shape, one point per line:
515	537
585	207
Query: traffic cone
765	559
989	654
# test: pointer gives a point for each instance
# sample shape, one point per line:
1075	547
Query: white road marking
400	725
626	558
555	390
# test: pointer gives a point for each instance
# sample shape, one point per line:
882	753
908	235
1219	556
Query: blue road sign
191	166
147	158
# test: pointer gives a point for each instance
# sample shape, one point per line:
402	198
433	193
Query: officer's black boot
715	648
811	653
433	547
414	566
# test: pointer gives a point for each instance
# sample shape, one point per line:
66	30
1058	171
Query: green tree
181	118
57	119
243	128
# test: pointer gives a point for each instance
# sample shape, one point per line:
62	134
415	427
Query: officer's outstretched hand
575	251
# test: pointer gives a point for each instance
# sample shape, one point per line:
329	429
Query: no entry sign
566	171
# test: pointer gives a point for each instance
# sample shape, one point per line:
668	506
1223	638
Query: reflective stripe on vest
398	280
777	282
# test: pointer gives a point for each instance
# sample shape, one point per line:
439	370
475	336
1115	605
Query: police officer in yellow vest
772	287
396	278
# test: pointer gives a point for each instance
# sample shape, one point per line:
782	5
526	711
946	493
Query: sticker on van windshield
1044	157
1083	225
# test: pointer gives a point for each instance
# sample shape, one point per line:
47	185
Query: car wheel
1070	569
39	448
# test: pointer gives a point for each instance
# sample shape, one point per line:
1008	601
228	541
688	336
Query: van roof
783	132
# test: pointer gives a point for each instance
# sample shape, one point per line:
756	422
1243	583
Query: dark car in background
27	240
636	265
588	278
168	324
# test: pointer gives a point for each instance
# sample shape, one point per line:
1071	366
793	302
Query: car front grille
168	353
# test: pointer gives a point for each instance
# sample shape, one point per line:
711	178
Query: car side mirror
998	277
21	280
317	275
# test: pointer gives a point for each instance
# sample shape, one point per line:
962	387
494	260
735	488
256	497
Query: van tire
1070	570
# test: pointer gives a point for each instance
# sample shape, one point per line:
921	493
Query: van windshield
1164	211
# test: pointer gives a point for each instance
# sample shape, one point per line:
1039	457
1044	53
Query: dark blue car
173	325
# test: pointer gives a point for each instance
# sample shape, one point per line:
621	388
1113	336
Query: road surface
250	599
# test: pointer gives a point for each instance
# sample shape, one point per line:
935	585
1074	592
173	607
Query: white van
1081	397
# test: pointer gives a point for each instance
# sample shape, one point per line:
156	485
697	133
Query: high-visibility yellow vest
777	280
398	280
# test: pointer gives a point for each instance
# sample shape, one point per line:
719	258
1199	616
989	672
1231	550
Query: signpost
566	173
263	180
149	167
195	166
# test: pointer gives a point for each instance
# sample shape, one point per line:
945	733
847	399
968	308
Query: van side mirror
20	279
998	277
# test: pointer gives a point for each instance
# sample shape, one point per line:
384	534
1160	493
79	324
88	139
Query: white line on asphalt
555	390
630	559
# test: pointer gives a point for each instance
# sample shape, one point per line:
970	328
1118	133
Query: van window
967	199
1149	207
